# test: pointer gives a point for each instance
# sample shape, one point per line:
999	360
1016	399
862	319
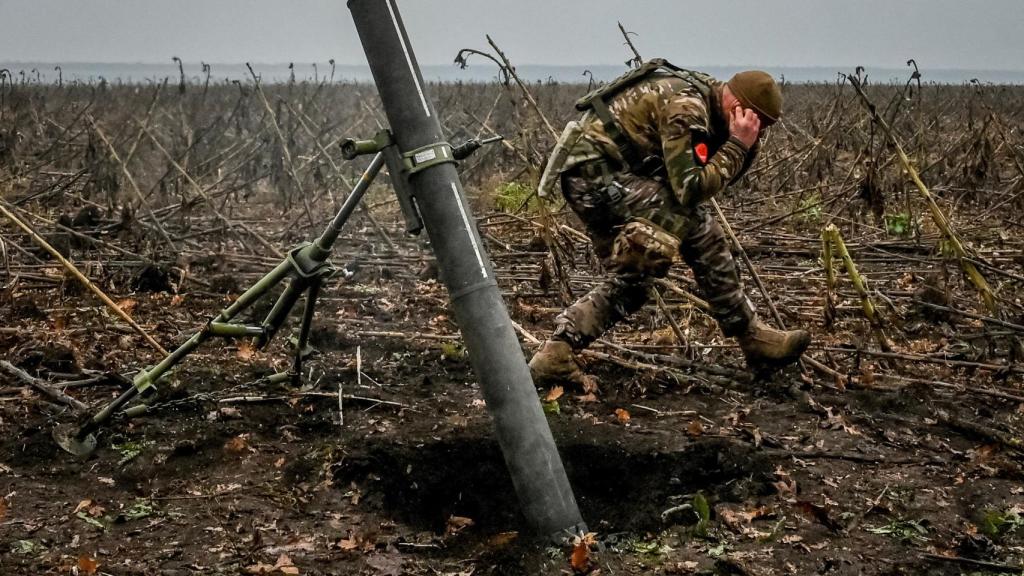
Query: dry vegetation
900	453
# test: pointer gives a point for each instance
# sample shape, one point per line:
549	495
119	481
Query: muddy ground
229	475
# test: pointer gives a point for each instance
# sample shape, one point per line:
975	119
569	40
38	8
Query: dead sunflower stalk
952	240
831	239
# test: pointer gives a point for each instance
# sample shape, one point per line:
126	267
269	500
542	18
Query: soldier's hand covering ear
744	125
683	126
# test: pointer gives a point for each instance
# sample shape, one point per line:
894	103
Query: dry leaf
128	305
622	415
836	421
867	376
695	428
785	485
554	394
735	517
91	508
664	337
3	508
740	521
236	446
348	543
785	489
457	524
284	565
177	299
983	453
81	506
87	564
580	559
245	350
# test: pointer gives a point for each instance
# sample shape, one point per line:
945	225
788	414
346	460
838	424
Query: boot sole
541	379
761	366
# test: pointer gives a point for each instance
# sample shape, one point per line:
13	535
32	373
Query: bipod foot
67	437
289	380
281	377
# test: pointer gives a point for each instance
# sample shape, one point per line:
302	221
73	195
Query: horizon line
532	64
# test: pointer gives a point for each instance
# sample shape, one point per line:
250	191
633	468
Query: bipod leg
282	308
307	324
330	234
81	441
307	266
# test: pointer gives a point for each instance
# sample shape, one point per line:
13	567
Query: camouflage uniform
670	119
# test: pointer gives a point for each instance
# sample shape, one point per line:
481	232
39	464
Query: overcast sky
976	34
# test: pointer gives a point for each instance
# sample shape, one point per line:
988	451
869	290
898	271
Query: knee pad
643	247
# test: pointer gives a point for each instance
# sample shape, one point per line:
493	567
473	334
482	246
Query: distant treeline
196	72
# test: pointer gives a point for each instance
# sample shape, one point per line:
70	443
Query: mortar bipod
305	267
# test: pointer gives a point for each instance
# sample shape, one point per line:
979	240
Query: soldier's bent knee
644	248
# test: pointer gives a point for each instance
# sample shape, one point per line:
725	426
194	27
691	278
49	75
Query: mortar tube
521	428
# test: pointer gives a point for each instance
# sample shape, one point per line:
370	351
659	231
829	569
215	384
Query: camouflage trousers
703	246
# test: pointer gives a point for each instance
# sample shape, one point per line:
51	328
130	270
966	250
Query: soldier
637	168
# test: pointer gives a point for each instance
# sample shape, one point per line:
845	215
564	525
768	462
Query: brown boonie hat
757	90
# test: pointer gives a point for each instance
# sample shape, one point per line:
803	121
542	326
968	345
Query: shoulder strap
597	100
699	80
609	90
622	142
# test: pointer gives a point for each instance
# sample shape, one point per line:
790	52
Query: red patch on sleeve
701	150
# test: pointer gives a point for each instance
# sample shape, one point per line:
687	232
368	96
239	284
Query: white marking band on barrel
469	230
408	59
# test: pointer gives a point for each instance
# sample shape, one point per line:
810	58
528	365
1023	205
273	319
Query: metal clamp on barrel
426	156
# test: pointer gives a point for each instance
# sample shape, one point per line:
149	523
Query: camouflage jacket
667	117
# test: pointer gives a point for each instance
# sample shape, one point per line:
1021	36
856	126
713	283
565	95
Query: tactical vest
598	100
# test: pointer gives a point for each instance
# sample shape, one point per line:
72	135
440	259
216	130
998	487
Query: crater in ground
619	488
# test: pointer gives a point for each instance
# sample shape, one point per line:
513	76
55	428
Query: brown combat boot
766	347
555	363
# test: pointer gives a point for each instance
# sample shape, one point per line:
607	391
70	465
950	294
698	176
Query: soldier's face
729	103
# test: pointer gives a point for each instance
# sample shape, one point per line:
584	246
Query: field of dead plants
896	449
